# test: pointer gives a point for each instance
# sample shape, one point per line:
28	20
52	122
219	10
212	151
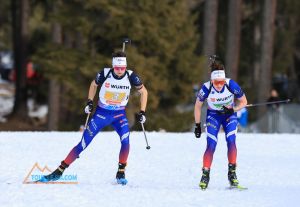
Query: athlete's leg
99	120
120	124
212	129
230	128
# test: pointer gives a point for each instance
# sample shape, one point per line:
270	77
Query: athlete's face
119	70
218	84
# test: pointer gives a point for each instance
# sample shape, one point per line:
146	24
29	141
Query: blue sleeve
135	80
236	89
100	78
203	93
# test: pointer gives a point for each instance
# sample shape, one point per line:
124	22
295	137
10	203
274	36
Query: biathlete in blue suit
115	84
220	93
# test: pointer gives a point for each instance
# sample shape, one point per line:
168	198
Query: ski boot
56	174
121	174
233	181
204	179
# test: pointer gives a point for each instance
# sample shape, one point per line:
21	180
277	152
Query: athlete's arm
144	97
197	111
92	90
201	97
136	81
242	102
239	94
99	80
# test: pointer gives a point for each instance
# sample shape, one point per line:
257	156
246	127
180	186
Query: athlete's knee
125	137
78	148
231	142
85	141
89	131
125	141
230	139
211	146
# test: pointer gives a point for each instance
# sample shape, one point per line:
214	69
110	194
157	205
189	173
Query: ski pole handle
125	40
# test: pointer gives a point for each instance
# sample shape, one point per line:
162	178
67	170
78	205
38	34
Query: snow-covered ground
166	175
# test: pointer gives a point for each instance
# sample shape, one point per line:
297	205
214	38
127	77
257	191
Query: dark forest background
70	41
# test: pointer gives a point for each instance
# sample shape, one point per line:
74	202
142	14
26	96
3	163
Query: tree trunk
54	86
257	41
20	16
210	29
267	49
293	90
53	102
233	38
265	78
297	75
79	41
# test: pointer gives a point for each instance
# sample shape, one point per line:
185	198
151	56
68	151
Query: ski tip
239	187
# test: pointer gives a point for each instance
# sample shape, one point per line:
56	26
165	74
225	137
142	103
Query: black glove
89	106
228	111
197	130
141	117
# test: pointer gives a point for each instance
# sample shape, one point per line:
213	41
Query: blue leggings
213	124
101	118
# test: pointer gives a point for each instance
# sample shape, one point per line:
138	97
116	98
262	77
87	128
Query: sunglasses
120	68
219	82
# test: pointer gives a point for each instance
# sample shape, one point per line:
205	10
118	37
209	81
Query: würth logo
120	87
225	98
107	85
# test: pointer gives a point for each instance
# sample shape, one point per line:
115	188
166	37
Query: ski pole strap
268	103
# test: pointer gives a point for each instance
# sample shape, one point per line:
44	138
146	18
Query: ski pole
86	121
85	125
125	40
268	103
148	147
